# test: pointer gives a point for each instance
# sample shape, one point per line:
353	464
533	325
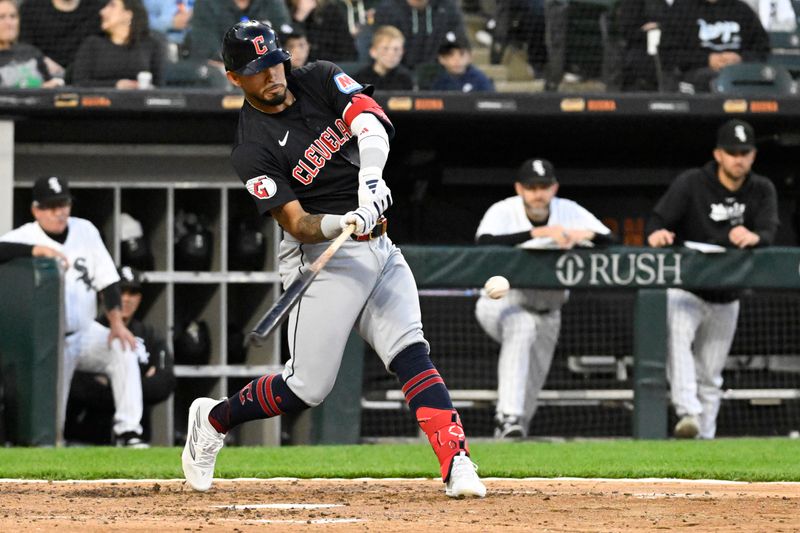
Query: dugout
154	153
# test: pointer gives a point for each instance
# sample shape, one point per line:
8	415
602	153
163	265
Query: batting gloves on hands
373	191
365	218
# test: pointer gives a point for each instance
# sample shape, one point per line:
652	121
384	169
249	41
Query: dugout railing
766	276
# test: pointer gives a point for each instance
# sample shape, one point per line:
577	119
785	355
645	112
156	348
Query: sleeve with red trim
348	97
361	103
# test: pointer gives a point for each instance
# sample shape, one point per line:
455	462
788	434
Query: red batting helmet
251	46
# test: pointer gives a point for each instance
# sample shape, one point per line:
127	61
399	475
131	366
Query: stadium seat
759	79
790	62
196	74
784	41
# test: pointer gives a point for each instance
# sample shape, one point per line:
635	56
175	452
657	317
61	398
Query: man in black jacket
701	37
90	403
635	19
725	204
426	24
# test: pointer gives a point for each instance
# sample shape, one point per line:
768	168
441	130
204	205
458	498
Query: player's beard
276	99
538	213
734	172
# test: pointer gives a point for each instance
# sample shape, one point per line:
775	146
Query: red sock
445	433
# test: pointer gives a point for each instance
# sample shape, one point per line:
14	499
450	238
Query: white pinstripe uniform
526	322
86	345
696	382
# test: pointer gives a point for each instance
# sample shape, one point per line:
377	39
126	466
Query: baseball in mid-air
496	287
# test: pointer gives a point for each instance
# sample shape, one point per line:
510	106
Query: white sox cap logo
262	187
740	133
538	167
54	185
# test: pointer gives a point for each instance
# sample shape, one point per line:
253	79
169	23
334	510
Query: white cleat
203	443
464	480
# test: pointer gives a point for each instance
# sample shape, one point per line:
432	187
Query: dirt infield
407	505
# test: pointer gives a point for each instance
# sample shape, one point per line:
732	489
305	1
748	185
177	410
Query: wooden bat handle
323	259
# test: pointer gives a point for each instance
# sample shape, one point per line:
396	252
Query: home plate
277	506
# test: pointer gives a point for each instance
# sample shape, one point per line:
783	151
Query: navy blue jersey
307	151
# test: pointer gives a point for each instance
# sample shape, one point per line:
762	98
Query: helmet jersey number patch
346	84
262	187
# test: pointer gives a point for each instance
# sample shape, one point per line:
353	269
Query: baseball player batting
722	203
310	148
526	322
88	345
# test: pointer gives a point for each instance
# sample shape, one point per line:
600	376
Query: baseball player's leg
712	345
516	330
685	311
319	326
487	312
548	326
122	368
72	351
391	324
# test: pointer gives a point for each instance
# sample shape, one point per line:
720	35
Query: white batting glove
373	191
365	218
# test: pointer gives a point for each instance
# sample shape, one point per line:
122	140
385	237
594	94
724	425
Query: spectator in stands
22	66
296	43
726	204
775	15
516	20
90	393
426	24
90	271
58	27
526	322
701	37
635	19
212	18
459	72
360	16
127	49
171	18
325	26
386	73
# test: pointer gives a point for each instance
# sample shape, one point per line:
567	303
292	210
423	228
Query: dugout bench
647	271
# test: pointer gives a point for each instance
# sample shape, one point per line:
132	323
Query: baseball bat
275	316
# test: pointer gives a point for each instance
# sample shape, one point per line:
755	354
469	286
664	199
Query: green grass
732	459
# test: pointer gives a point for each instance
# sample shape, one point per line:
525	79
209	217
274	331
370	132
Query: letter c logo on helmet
251	46
258	42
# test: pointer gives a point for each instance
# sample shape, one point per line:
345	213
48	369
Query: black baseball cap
736	135
50	190
130	279
450	44
287	31
537	172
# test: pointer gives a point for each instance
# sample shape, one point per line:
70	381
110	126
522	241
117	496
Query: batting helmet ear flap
247	247
237	349
194	242
192	344
134	249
